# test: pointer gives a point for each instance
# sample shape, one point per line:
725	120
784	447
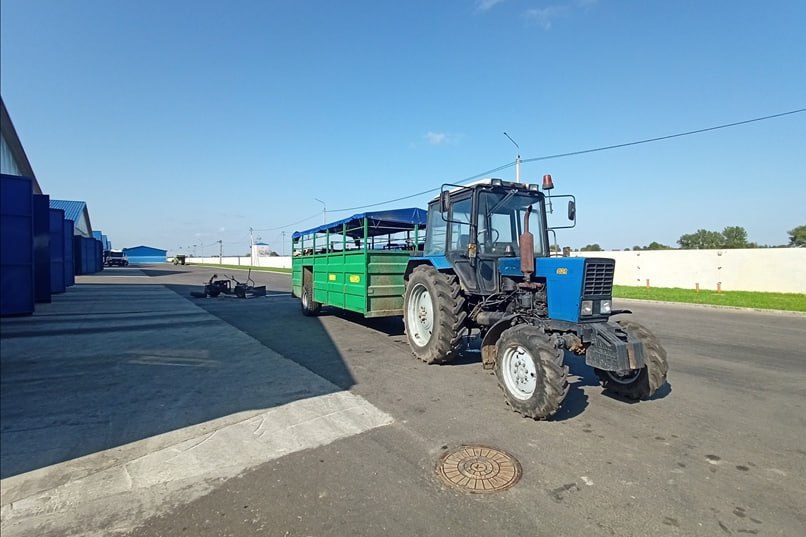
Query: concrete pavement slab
121	400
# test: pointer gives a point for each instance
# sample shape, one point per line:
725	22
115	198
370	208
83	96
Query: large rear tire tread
651	377
551	374
449	315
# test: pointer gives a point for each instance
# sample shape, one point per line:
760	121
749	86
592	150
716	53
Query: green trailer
357	263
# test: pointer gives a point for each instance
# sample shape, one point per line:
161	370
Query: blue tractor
483	269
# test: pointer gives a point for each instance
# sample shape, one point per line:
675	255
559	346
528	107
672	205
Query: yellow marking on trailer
562	271
355	278
331	277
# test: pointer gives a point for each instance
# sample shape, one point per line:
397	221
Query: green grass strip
739	299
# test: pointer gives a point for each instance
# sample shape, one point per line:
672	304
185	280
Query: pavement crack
315	418
259	425
197	444
129	480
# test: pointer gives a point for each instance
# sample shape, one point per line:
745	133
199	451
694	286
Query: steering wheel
494	235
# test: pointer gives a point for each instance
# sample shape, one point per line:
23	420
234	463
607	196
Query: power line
287	225
558	155
482	174
659	138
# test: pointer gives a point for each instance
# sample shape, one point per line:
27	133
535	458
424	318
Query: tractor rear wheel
638	384
530	371
433	314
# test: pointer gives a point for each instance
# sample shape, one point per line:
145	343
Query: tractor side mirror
445	201
572	210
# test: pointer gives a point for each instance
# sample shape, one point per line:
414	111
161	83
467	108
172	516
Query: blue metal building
44	243
87	254
146	254
19	226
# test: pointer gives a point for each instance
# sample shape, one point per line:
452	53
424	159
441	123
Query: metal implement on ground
230	287
479	261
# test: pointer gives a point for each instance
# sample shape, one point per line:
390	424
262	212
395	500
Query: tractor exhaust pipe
527	248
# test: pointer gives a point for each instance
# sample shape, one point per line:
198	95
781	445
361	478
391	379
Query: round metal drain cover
479	469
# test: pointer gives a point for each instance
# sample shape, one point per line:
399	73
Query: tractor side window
437	232
460	225
500	234
496	224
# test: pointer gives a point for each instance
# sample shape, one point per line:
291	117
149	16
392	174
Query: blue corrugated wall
16	246
99	255
69	268
42	248
87	256
57	251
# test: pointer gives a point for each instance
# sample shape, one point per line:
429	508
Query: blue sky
188	122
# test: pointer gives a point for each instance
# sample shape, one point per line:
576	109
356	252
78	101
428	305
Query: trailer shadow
108	363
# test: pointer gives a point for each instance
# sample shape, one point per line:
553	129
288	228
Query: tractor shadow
583	376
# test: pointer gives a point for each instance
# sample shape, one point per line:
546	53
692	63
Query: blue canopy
380	223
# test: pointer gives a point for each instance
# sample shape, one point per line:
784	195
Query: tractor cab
473	227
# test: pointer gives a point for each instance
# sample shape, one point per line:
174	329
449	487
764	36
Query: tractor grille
599	277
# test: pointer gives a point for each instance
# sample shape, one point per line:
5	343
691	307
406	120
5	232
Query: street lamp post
220	251
517	159
324	211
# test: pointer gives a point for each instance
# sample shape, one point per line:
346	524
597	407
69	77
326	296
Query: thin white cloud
544	17
437	138
486	5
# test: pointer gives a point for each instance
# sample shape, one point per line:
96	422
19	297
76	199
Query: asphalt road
720	451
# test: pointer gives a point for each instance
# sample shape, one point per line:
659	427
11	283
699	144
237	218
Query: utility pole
251	247
220	252
324	211
517	159
282	244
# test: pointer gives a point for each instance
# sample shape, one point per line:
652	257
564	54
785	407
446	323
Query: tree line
703	239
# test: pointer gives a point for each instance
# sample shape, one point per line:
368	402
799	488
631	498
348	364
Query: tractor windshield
500	222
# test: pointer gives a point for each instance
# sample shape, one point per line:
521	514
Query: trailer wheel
530	371
310	307
642	383
434	314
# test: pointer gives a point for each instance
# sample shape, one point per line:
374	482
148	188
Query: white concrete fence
780	270
245	261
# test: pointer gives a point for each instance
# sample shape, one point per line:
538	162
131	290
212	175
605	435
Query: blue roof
380	223
144	249
72	209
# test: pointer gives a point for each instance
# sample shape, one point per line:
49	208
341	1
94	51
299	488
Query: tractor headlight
605	306
587	308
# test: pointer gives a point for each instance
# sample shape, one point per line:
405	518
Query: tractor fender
439	262
489	352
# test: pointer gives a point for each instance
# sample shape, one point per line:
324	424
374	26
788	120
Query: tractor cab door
450	236
461	244
497	237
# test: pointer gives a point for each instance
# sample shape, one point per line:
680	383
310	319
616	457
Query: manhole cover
479	469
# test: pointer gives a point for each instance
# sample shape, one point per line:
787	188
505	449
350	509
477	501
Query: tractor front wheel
638	384
530	371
